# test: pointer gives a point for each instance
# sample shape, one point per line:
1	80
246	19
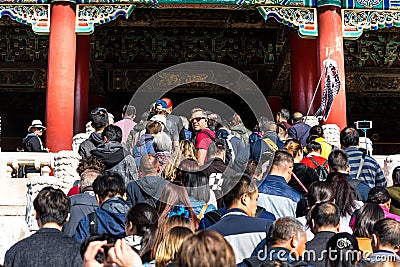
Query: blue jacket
197	206
242	232
110	219
277	197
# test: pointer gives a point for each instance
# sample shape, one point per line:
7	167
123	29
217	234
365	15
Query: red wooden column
330	42
61	77
304	75
82	83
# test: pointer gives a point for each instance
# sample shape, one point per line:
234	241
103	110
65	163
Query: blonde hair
170	245
186	151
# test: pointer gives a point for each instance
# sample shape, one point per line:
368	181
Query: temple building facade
60	59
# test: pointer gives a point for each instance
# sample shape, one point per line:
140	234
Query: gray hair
267	125
162	142
283	229
87	178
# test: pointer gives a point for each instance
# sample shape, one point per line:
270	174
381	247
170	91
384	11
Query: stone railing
10	161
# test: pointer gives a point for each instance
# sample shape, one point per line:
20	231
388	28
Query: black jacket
305	174
90	144
32	143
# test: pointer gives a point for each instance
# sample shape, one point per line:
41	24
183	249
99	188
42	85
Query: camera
363	125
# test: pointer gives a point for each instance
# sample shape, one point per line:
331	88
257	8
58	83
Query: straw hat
36	124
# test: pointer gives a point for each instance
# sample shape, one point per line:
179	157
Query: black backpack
214	216
222	136
321	170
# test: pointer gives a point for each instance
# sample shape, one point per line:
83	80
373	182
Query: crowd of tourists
160	192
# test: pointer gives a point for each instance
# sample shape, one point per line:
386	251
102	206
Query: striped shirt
371	173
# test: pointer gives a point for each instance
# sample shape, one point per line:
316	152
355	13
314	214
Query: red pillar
304	76
330	42
61	77
82	83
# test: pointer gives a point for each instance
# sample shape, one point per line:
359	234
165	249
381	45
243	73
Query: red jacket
307	161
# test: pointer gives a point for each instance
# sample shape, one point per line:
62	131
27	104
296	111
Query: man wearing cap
178	121
32	141
161	110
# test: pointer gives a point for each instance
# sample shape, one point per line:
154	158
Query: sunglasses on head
98	110
197	119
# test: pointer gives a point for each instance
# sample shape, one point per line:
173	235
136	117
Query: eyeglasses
197	119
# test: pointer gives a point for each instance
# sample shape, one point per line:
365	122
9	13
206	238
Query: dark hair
92	163
266	125
145	218
283	229
344	193
109	185
284	113
52	205
338	160
396	175
113	133
378	195
197	186
320	191
97	237
222	124
153	127
388	232
251	168
129	110
313	146
366	218
317	130
275	263
234	187
282	159
343	250
216	148
99	118
349	137
186	165
325	214
206	248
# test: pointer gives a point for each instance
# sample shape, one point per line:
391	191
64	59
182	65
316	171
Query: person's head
216	150
313	146
87	179
380	196
366	218
112	133
129	111
235	120
51	206
169	104
197	186
317	130
187	149
99	118
325	216
396	175
338	161
154	127
108	185
288	233
199	119
160	107
175	195
167	225
162	142
213	120
295	148
92	163
149	165
343	250
186	165
320	192
349	137
240	192
281	131
282	115
142	220
171	244
386	235
206	248
266	125
282	164
37	127
344	193
297	117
